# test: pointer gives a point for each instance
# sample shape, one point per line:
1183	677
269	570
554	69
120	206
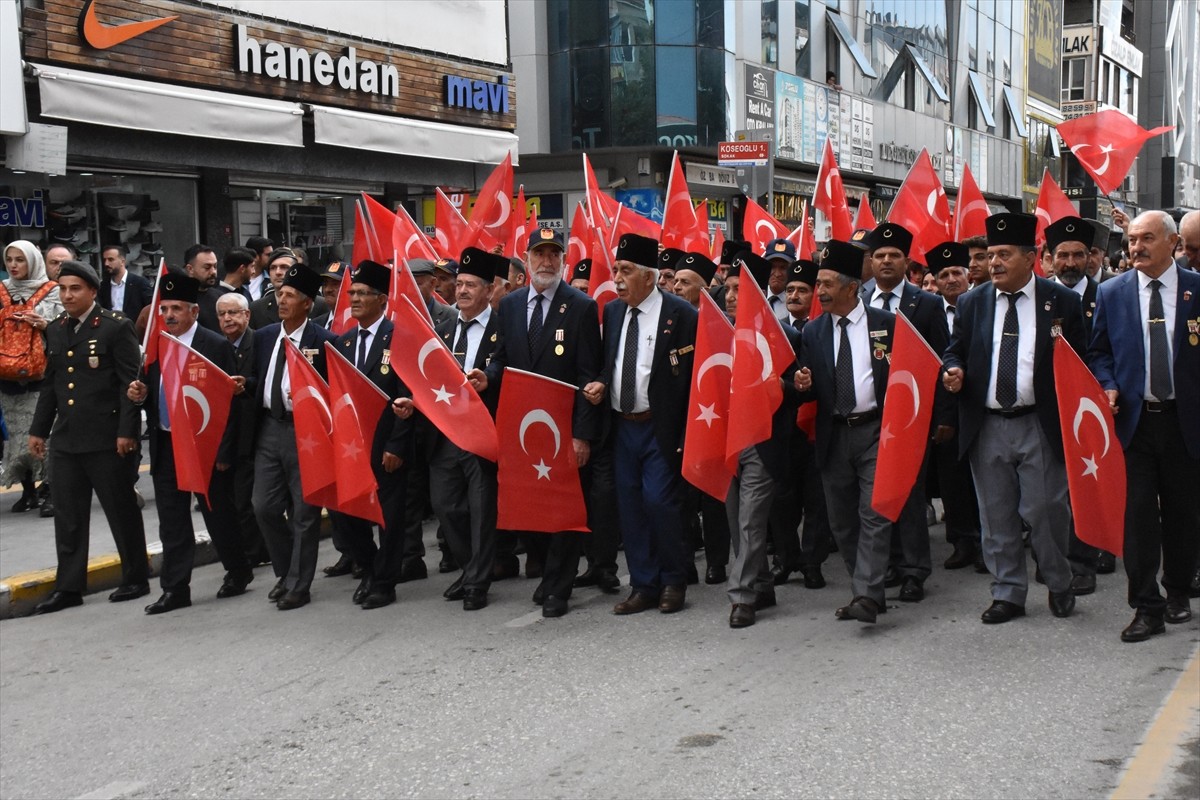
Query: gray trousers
1018	478
863	535
748	508
463	492
292	540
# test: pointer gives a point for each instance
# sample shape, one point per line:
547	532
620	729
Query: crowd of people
994	455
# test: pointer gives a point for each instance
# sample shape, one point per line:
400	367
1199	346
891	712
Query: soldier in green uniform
92	357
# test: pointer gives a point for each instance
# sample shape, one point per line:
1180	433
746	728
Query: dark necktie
277	382
629	364
887	301
535	325
363	335
1006	365
164	413
460	344
844	397
1160	360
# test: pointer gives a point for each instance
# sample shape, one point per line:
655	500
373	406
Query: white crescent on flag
1088	406
715	360
907	379
534	417
423	353
199	399
307	392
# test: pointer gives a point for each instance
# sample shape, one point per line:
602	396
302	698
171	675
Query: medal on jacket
1056	328
385	360
93	359
309	353
558	350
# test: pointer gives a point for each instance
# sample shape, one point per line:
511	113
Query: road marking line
1146	770
113	791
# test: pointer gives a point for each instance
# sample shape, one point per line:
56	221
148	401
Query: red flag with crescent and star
718	244
356	406
681	225
602	209
1094	458
907	412
1105	144
970	210
704	464
1052	205
439	387
601	286
342	321
760	227
761	353
519	235
538	474
154	322
313	420
449	226
922	208
865	219
199	396
491	219
629	221
403	284
830	196
577	243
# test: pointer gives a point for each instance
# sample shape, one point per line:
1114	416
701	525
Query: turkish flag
356	405
970	210
1052	205
577	243
681	227
629	221
196	427
365	245
759	227
405	285
381	227
830	196
865	220
1094	458
154	322
761	353
718	244
1105	144
537	456
408	239
602	209
314	430
450	227
601	286
520	233
439	387
491	217
907	412
922	208
342	321
704	464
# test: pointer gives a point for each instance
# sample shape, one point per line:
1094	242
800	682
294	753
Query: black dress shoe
533	569
47	509
474	599
277	591
447	564
455	591
586	578
1083	584
1001	611
913	591
57	601
235	584
715	574
1062	603
813	579
1178	609
379	597
361	592
693	575
863	609
170	601
741	615
505	567
1142	628
344	566
1106	563
608	582
765	600
130	591
554	607
27	502
780	574
414	570
539	596
964	555
293	600
892	578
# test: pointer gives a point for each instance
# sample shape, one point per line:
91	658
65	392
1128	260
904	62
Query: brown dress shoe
671	599
636	603
741	615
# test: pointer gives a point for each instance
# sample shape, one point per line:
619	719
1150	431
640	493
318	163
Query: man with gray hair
1189	231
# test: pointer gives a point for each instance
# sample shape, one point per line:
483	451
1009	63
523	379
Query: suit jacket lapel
554	315
382	338
483	354
662	339
985	324
1046	308
1182	314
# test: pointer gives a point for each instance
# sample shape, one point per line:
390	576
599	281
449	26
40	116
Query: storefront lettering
903	154
477	95
17	212
275	60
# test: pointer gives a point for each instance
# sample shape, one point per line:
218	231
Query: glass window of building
710	23
770	33
1074	79
1039	153
802	32
674	22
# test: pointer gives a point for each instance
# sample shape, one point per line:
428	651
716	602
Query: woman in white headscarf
27	273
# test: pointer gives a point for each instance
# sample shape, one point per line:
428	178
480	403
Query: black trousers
1162	514
357	536
910	533
706	522
76	476
243	509
957	491
601	544
175	520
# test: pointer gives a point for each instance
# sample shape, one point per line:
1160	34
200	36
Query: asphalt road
233	698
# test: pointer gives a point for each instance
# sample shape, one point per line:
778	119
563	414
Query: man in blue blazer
1146	354
1000	363
844	359
290	526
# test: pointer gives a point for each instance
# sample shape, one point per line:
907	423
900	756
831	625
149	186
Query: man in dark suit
177	298
290	526
648	354
200	262
265	310
235	272
368	347
1146	355
844	359
553	330
890	245
1000	364
120	289
233	313
259	284
91	358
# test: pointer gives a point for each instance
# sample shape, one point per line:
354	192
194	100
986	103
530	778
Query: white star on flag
543	470
351	450
886	434
442	395
707	414
308	444
1091	468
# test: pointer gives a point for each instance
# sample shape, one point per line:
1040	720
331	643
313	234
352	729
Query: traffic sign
743	154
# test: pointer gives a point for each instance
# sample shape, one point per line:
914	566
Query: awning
1014	112
13	121
847	36
123	103
979	92
411	137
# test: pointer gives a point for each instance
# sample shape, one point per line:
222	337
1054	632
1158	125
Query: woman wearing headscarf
27	274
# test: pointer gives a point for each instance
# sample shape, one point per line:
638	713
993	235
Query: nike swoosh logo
102	37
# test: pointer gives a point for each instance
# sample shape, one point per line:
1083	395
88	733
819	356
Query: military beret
639	250
303	280
178	286
482	264
698	263
948	254
582	271
1070	229
843	257
803	271
80	270
889	234
668	257
1014	229
373	274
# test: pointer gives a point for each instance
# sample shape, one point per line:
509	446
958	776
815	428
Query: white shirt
860	352
257	286
1168	292
186	337
1027	332
778	304
474	335
285	384
649	311
897	293
117	291
951	312
372	331
549	294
